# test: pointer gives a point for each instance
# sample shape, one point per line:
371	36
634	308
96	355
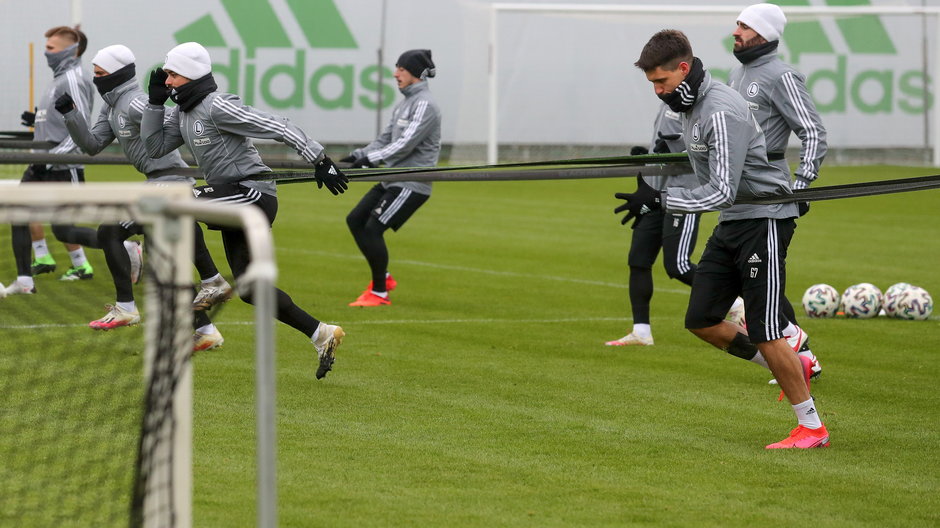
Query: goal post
681	17
71	394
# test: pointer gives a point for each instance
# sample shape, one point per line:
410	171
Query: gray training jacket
218	131
669	123
68	77
727	152
120	118
778	98
412	137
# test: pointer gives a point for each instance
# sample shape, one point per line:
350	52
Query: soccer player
64	47
115	79
411	139
746	253
779	100
216	127
675	234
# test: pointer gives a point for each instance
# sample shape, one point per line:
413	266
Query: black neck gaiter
106	83
683	97
191	93
750	53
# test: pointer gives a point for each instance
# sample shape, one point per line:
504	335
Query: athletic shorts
392	206
39	173
746	258
237	194
675	234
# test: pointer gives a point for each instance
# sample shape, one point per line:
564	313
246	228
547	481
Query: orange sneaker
807	365
390	283
803	438
370	299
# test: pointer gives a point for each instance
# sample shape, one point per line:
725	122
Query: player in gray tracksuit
675	234
746	253
115	79
63	45
411	139
779	100
217	128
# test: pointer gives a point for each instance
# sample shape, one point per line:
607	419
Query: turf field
484	395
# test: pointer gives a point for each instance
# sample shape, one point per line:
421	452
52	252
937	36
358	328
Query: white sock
738	303
78	257
212	279
806	414
316	333
383	295
759	359
40	248
807	354
25	281
129	306
790	331
642	330
206	330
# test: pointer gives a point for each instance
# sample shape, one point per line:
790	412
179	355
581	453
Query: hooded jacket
727	151
778	98
68	77
120	119
412	137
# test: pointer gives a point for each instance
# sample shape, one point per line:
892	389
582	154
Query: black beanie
418	63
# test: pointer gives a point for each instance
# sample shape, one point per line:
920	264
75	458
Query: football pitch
484	395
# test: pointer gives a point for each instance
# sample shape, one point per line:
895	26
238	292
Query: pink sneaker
803	438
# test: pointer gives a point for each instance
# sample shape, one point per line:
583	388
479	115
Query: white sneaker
135	253
207	341
3	291
115	318
631	339
211	294
17	288
328	340
736	313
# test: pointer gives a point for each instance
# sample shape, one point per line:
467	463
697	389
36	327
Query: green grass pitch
484	396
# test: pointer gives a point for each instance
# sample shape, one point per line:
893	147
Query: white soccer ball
915	304
861	301
891	296
821	300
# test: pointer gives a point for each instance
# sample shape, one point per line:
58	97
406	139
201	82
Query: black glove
644	200
363	163
804	207
639	151
28	118
661	147
157	89
348	159
327	173
64	104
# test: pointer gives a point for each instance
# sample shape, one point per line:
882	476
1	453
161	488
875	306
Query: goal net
96	426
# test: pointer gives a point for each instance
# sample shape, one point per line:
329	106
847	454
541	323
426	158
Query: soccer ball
861	301
821	300
915	304
891	297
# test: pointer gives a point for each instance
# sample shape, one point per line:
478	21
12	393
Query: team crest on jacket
122	122
752	89
198	128
695	132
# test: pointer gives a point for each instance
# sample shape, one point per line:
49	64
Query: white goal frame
492	141
170	210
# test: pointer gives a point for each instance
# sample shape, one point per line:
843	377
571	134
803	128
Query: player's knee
353	221
61	232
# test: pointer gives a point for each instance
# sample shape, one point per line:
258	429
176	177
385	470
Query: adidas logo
754	259
644	209
196	192
812	410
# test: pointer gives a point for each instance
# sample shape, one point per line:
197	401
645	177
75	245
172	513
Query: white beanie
113	58
189	59
767	20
